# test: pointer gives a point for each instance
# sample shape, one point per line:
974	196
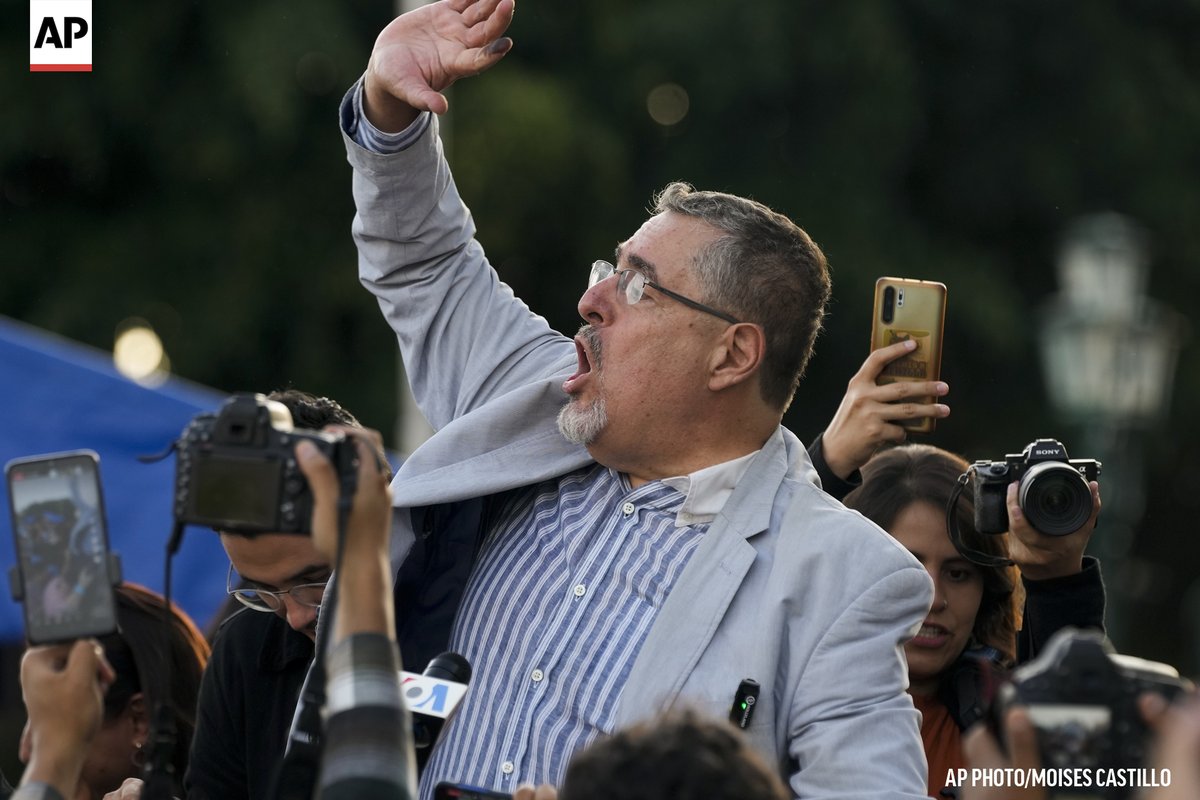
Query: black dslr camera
1053	490
1081	697
236	471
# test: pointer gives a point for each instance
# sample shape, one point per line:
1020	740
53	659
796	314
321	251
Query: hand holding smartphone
461	791
64	574
907	309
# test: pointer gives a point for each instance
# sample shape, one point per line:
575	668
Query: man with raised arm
616	524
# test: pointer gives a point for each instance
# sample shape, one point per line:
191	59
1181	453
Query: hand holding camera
369	521
1039	495
1080	709
1043	557
1053	491
363	571
1177	744
236	470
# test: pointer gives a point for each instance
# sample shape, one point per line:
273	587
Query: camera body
1053	489
1081	697
236	471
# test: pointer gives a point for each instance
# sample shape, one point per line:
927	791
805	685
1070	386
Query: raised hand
370	516
1041	557
63	687
364	574
423	52
867	417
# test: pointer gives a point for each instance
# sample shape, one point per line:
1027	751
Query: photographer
369	753
971	628
262	653
1175	749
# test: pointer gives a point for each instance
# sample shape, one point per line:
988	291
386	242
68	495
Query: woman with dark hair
983	618
150	665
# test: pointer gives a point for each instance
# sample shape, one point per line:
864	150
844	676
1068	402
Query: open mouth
572	384
931	635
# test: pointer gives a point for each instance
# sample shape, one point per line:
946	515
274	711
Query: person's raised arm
368	748
1062	587
63	687
423	52
1042	557
869	414
364	575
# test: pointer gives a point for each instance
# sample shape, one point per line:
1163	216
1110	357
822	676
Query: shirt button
537	675
627	508
507	768
580	590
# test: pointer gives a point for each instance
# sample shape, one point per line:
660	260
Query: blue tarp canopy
59	395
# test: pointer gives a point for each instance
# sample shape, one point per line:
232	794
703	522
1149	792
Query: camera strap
158	774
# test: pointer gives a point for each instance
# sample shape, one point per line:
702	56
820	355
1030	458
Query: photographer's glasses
306	594
632	283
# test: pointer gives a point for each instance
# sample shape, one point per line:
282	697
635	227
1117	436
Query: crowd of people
614	530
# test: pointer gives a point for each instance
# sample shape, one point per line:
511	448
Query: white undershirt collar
707	490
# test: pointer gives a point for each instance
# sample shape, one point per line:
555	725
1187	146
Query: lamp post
1109	355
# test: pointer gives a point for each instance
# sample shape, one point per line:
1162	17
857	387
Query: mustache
592	338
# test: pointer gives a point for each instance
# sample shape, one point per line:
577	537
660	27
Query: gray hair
764	269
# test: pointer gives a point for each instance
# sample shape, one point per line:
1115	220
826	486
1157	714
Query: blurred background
1040	159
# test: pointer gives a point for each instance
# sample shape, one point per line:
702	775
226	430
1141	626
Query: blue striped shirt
567	585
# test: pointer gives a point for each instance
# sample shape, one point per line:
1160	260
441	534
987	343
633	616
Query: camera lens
889	305
1055	498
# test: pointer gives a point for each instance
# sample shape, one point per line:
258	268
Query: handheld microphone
433	696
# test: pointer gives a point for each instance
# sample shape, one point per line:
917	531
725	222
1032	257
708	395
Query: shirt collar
706	490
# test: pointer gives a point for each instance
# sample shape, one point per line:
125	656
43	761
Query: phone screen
62	546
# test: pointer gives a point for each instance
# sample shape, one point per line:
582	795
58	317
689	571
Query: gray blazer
787	587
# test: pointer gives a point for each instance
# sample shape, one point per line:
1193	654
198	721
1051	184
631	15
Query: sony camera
236	471
1053	489
1081	697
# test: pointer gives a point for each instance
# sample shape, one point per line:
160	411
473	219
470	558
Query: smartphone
460	791
64	574
906	308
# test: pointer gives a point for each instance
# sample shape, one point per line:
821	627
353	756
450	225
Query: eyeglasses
632	283
306	594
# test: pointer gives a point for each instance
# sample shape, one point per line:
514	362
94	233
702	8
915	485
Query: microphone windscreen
449	667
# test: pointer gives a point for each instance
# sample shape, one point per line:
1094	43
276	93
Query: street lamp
1109	355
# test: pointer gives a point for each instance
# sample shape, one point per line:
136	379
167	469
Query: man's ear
737	357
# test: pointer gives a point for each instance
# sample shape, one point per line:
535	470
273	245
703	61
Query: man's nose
298	615
596	304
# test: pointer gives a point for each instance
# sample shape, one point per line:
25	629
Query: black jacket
247	700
